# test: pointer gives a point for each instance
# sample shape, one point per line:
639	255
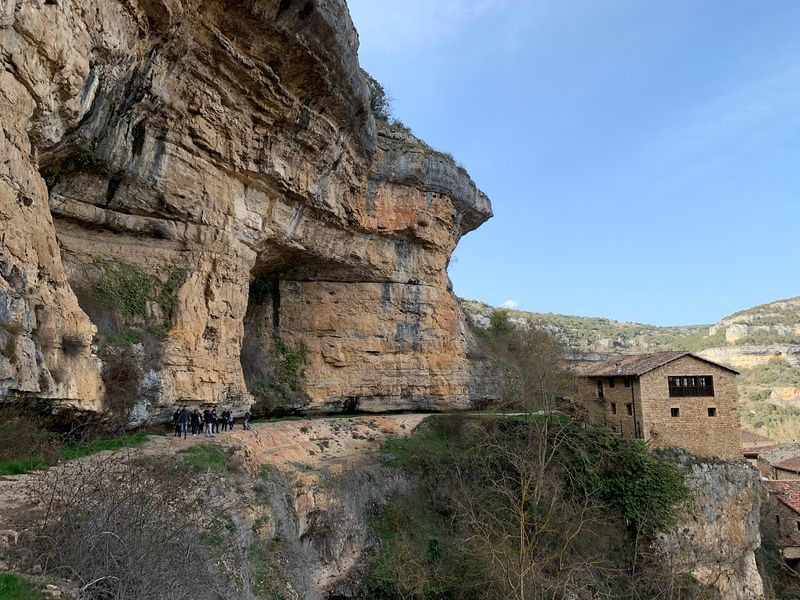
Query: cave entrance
271	366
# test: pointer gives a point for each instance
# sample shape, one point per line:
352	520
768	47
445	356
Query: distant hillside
594	334
762	342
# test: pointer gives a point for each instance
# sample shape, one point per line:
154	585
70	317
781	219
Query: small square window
712	411
613	408
610	382
675	412
629	407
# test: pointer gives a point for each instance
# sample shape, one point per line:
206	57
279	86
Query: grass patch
206	456
71	452
74	451
19	467
14	587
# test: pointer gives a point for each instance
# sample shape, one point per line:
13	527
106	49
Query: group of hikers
206	422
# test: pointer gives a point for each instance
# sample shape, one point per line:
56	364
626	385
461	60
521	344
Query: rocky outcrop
751	357
185	176
321	484
716	542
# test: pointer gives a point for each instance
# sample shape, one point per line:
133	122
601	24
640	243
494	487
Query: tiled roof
750	438
755	443
791	464
639	364
788	492
583	367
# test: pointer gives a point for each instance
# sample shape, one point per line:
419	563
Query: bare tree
123	526
530	369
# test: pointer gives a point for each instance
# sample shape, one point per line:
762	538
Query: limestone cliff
195	177
716	542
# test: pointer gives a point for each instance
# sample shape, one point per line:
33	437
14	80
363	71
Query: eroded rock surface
717	540
230	143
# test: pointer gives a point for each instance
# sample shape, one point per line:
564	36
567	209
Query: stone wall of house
786	522
612	409
693	429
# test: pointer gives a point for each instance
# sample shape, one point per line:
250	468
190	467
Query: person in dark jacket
197	420
214	421
176	424
208	419
223	420
183	420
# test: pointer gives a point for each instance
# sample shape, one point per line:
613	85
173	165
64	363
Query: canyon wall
179	177
715	542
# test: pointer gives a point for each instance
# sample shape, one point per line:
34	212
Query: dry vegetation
115	526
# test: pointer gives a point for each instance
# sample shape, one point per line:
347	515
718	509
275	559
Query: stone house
666	398
784	511
754	444
786	470
782	461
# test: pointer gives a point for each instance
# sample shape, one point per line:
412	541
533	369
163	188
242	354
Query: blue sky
642	157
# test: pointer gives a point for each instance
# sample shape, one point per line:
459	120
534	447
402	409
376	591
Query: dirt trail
292	446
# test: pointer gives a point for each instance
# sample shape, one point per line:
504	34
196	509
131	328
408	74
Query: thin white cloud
510	304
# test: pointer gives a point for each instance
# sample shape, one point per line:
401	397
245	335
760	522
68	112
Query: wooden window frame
681	386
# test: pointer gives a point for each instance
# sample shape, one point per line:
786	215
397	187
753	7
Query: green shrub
483	480
125	286
128	288
379	100
500	322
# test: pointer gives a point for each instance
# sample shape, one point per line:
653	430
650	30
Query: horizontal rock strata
198	150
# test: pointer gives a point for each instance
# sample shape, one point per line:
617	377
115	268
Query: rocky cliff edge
201	185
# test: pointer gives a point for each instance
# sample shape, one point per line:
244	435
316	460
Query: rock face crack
239	146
